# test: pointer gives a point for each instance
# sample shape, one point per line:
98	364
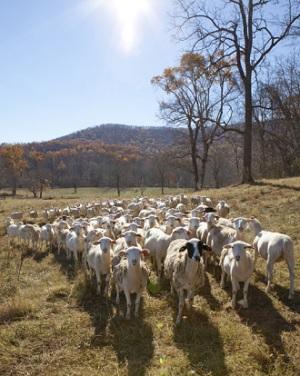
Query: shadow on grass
202	343
132	341
265	320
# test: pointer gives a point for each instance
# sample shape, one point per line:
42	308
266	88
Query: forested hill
118	134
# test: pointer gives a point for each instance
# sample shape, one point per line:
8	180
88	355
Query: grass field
52	322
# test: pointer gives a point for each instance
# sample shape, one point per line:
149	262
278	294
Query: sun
130	15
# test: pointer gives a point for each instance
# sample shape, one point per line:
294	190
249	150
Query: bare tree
198	101
246	31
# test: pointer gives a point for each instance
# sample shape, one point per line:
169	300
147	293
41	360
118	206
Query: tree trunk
247	166
195	169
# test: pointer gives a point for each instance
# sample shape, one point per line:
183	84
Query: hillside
120	134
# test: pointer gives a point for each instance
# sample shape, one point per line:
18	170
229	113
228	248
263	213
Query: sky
67	65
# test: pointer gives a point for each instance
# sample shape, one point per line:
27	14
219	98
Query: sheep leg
255	258
235	288
107	279
269	267
180	305
137	304
117	295
159	267
128	304
98	277
290	265
223	275
191	295
246	286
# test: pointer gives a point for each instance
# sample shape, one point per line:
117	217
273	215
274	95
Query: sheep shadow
265	320
197	336
132	340
67	267
282	292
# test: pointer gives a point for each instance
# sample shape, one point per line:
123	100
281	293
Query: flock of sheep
114	238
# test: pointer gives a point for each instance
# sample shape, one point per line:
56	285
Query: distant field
52	322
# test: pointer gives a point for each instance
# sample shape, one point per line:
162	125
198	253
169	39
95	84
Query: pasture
53	323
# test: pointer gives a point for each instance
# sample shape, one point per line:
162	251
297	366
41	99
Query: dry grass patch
53	323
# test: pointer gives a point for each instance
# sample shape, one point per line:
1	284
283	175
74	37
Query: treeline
120	156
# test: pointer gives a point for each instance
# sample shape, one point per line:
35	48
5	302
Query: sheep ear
207	247
122	253
249	246
183	248
145	252
227	246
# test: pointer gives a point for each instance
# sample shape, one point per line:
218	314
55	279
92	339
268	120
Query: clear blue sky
66	65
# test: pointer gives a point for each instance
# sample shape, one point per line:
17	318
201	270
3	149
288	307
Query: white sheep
33	213
131	275
219	235
47	236
171	222
75	241
98	257
158	242
13	230
237	263
33	233
222	209
204	200
193	225
273	247
185	270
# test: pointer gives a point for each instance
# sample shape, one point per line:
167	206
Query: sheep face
134	255
238	249
194	249
105	243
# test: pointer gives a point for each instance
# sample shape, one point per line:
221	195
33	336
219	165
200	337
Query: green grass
53	323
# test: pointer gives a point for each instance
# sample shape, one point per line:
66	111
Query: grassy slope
52	323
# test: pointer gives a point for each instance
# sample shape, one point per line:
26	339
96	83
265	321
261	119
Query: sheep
150	222
131	275
33	213
237	263
62	228
47	236
219	235
193	225
33	232
185	269
158	242
171	223
24	235
92	236
273	247
127	239
96	221
17	215
195	200
204	200
222	209
75	241
13	230
98	257
8	221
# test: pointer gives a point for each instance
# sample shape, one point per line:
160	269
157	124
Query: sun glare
130	15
